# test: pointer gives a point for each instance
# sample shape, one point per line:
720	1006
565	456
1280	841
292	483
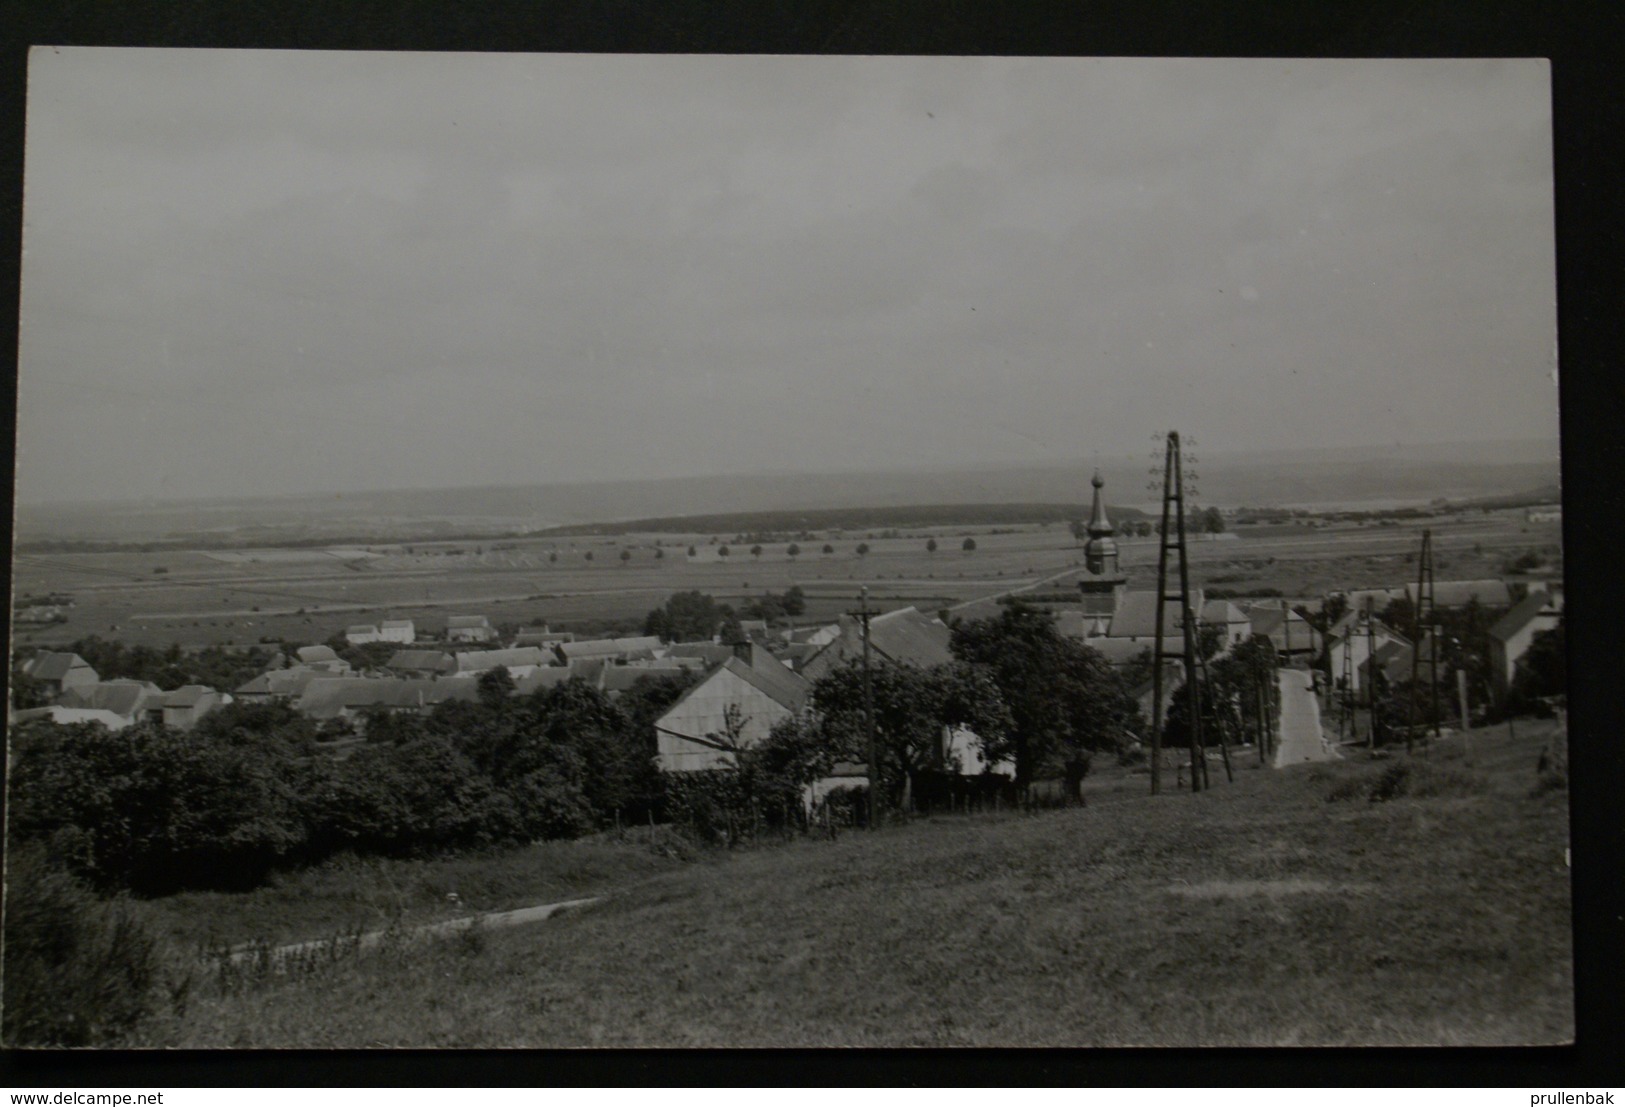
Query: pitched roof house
186	706
751	698
1459	593
128	701
60	671
518	662
1515	632
905	636
421	663
403	631
469	628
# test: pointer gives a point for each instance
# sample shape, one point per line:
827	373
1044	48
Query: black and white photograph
544	550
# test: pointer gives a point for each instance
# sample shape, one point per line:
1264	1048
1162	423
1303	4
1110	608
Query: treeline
797	523
251	788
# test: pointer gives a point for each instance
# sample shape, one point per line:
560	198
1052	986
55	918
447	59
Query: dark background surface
1586	46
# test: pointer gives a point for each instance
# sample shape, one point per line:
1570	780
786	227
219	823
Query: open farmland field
199	597
1307	915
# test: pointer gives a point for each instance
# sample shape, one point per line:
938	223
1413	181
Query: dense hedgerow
151	810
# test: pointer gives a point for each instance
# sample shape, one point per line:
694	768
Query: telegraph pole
1370	676
869	715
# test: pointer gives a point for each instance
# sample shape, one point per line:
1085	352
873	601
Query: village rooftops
610	647
188	695
281	682
424	661
55	666
475	661
121	697
468	622
331	697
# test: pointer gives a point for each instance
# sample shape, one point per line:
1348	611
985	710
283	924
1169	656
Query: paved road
1300	736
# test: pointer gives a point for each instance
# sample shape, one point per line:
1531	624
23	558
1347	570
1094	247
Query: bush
78	971
1416	779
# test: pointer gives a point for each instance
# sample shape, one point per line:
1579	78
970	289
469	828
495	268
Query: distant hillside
1342	476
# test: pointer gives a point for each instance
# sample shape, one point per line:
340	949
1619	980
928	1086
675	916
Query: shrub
78	971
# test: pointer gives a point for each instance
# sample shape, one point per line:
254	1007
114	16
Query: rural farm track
495	920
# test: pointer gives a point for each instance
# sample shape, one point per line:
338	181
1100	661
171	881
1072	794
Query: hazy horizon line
1084	462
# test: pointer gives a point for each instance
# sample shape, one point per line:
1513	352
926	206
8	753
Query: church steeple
1100	554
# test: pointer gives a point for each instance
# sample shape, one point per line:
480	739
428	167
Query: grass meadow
1287	908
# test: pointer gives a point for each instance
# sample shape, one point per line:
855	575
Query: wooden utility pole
1224	740
1370	674
1173	539
869	716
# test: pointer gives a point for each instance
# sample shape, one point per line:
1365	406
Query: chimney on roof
743	648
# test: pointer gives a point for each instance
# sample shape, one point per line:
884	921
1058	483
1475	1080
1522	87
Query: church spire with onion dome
1100	554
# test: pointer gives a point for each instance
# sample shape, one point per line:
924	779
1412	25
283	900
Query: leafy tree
155	810
692	551
494	687
589	555
968	545
756	551
626	555
1078	529
792	551
686	616
660	554
1065	698
722	551
794	601
931	545
1213	521
27	692
912	706
554	556
1543	670
828	549
863	549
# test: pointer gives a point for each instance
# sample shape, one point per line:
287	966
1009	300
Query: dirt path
493	920
1301	738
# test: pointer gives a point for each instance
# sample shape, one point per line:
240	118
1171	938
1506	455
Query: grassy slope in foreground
1257	913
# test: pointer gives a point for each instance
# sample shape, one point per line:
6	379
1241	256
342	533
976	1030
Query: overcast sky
260	272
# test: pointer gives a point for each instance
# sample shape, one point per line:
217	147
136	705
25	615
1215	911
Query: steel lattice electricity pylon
1173	539
1425	617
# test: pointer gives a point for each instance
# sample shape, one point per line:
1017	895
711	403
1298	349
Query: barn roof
122	697
433	660
54	666
310	654
326	698
1524	612
475	660
1137	616
188	695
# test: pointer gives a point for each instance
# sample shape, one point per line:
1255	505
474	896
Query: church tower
1103	585
1100	555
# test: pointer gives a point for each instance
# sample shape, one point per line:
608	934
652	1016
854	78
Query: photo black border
1585	44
